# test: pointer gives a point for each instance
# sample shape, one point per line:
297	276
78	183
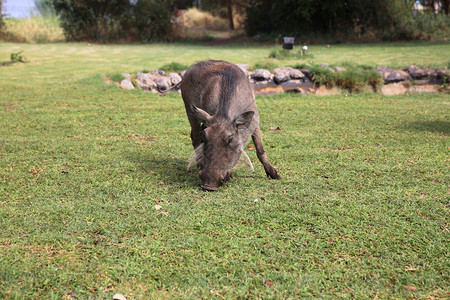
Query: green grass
173	67
362	210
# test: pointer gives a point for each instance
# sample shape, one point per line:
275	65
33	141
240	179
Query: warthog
222	112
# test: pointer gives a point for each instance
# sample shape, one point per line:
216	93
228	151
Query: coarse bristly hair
196	158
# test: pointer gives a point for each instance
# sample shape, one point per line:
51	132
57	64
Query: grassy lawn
362	210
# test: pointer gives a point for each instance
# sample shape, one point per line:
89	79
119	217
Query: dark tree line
388	19
433	5
149	20
115	20
320	16
2	23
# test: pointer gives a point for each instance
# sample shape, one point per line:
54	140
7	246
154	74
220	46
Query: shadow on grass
169	170
431	126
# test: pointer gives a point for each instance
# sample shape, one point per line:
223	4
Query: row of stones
159	81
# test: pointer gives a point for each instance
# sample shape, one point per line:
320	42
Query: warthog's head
221	146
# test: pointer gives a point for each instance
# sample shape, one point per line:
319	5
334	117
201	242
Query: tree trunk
230	14
436	8
446	7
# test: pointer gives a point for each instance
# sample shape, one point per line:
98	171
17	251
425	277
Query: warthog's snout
212	180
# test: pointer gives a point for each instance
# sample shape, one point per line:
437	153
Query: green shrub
115	20
174	67
322	75
151	20
353	78
117	77
2	23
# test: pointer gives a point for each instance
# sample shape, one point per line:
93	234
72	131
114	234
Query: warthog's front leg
262	156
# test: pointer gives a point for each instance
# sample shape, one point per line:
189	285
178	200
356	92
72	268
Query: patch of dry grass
201	19
33	30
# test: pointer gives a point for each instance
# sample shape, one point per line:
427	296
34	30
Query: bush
349	20
174	67
151	20
117	77
115	20
353	78
2	23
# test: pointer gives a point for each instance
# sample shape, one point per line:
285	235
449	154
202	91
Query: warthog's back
217	87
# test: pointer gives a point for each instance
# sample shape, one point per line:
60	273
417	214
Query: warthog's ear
200	114
244	120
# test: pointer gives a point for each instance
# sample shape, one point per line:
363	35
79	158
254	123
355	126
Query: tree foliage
151	20
387	19
320	16
45	7
114	20
2	23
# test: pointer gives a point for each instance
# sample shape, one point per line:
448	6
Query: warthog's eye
202	135
230	139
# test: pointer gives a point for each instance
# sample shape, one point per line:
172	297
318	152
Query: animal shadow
168	170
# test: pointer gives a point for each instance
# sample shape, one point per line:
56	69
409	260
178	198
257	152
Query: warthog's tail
169	89
197	154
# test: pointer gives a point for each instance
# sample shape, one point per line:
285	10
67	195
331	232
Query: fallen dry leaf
251	147
410	288
36	170
407	268
158	207
268	283
275	128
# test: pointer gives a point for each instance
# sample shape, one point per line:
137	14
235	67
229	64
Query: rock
291	72
296	74
141	85
416	73
126	84
280	77
339	69
244	68
307	73
325	65
182	73
392	76
126	75
442	75
260	75
174	78
162	84
159	72
144	80
119	297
